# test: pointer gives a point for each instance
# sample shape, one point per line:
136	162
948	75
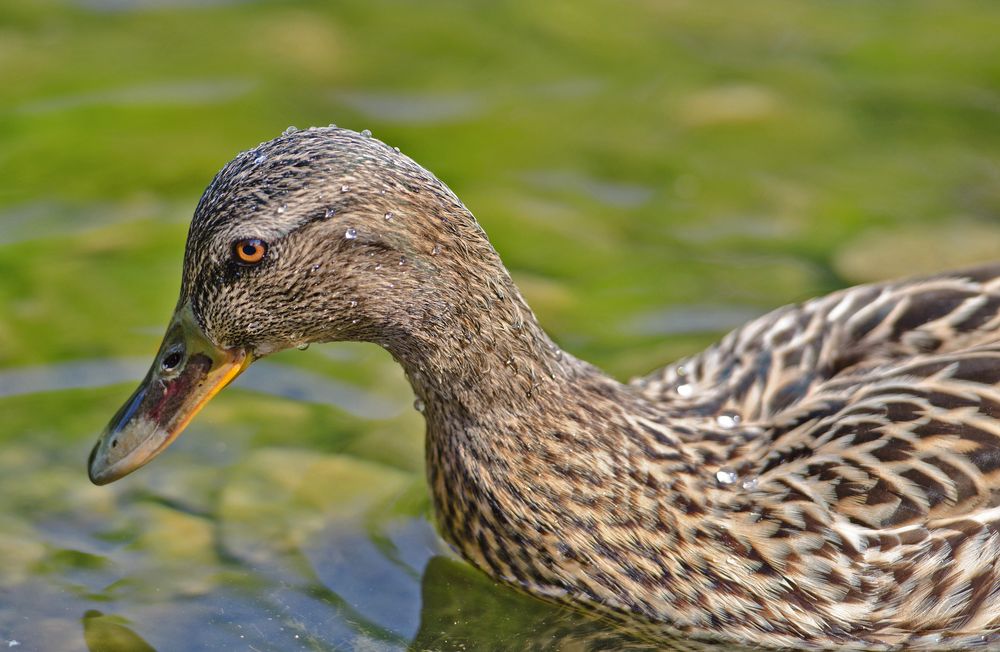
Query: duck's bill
187	372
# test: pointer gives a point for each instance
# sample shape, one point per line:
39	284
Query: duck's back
873	474
777	360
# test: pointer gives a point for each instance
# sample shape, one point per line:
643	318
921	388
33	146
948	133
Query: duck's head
318	235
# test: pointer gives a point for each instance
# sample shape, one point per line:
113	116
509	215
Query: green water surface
653	173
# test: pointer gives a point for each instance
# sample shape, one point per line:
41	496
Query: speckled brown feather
825	476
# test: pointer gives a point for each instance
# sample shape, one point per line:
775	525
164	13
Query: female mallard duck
826	475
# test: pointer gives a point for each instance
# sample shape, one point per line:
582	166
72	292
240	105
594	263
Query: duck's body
822	477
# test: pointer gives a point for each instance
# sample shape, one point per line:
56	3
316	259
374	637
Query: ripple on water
191	92
612	193
412	108
265	377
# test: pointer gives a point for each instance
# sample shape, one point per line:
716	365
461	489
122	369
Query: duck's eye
250	251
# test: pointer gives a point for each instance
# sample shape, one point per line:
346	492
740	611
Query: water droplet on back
727	421
353	304
303	346
726	476
436	250
351	233
345	188
685	390
260	159
388	217
282	208
330	212
290	130
750	484
367	133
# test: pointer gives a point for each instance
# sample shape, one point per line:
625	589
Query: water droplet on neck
726	476
290	130
345	188
330	212
419	406
367	133
395	149
750	484
685	390
351	233
728	421
282	208
388	217
436	250
303	346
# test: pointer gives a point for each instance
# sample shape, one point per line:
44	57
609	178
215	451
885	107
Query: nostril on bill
171	361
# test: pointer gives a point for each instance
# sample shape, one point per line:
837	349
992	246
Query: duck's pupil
172	360
249	250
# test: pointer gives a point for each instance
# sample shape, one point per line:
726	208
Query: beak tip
96	471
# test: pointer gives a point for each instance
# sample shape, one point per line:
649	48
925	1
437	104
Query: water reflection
111	634
265	377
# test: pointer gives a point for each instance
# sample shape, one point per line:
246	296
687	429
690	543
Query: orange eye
250	251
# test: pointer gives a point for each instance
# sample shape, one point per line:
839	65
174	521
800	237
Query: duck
826	476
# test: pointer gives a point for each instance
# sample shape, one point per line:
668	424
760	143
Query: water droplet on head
282	208
303	346
353	304
726	476
351	233
366	133
345	188
681	371
395	149
260	159
419	406
378	266
388	217
402	260
330	212
685	390
290	130
436	250
727	421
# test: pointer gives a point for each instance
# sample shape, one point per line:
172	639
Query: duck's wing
779	359
882	491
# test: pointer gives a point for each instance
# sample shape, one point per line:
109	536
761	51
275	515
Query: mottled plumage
826	475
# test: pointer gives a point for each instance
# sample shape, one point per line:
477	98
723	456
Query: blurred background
654	173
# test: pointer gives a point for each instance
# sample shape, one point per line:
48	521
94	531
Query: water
652	174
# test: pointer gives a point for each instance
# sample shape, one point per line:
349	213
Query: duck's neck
479	349
519	433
